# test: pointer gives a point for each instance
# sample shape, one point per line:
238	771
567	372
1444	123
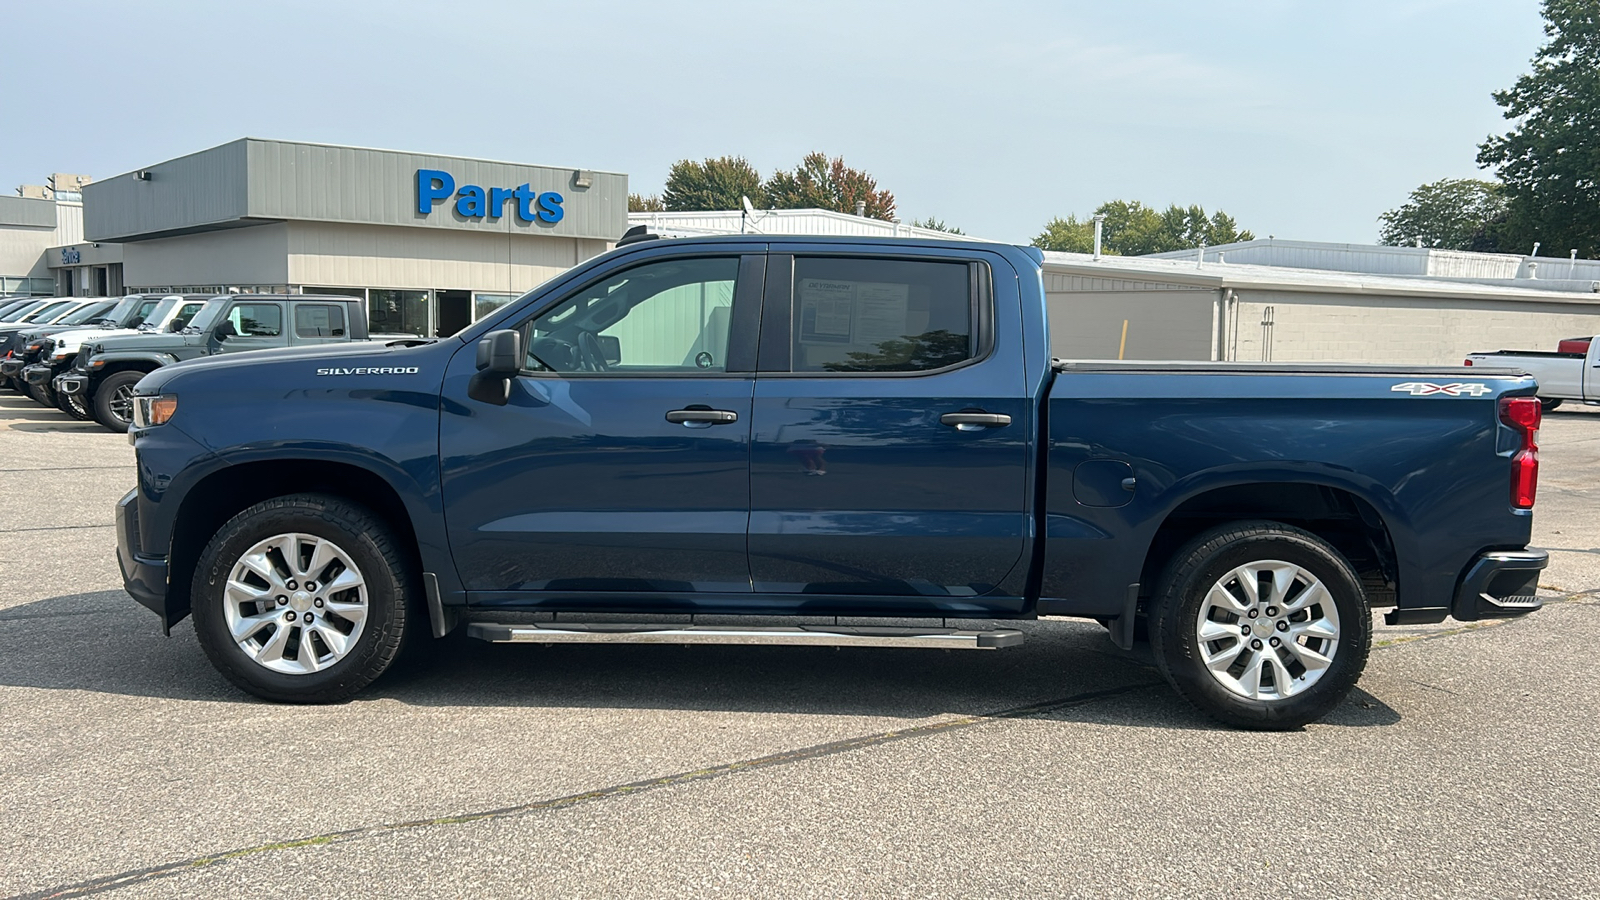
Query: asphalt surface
1464	764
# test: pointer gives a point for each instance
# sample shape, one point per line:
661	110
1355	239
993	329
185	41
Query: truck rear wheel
1261	625
302	599
113	400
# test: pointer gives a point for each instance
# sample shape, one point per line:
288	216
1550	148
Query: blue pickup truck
866	442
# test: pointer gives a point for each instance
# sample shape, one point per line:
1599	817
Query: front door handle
972	421
692	416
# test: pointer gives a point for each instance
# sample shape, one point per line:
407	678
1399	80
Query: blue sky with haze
1302	119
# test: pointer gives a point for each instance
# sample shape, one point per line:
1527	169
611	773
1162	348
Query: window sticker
826	309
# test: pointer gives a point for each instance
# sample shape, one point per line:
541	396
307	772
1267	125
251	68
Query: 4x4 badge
1427	388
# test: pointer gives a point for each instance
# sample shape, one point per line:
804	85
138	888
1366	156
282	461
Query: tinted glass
92	311
880	315
256	319
668	316
318	320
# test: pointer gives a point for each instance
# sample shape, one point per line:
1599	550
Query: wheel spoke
1220	596
1216	631
1249	581
244	626
337	642
354	613
1250	678
322	554
272	650
1314	594
1282	580
307	654
1311	659
349	578
261	565
1222	659
1316	628
240	591
1283	683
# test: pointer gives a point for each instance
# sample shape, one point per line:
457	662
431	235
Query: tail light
1523	414
1466	362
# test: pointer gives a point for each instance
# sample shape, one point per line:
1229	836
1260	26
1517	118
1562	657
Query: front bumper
144	577
10	368
71	383
1500	584
38	374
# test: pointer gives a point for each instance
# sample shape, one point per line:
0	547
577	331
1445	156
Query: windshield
203	319
84	314
153	319
11	306
121	310
17	314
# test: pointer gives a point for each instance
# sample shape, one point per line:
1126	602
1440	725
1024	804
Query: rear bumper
144	577
1500	584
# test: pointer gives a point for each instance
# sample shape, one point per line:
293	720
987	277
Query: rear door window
881	315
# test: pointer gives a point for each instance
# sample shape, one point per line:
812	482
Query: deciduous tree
1550	160
1451	214
719	183
821	183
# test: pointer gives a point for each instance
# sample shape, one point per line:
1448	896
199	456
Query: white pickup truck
1570	373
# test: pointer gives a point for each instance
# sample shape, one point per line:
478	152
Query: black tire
108	400
1188	579
391	587
43	394
1549	403
74	406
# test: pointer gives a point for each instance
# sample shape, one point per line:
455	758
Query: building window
397	312
486	304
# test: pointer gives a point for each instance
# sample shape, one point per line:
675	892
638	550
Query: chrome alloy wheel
1267	630
121	403
295	603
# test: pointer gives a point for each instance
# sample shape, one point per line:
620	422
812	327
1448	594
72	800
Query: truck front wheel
302	599
113	400
1261	625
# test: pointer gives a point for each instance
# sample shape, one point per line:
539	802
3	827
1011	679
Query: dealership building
431	243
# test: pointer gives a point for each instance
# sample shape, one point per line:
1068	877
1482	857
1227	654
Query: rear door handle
692	417
972	421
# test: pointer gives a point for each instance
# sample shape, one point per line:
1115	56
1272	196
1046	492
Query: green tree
1066	235
1451	214
719	183
645	203
1550	161
933	224
821	183
1133	229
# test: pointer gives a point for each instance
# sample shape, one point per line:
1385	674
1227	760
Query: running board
801	635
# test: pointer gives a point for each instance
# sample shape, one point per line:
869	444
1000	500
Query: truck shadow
103	642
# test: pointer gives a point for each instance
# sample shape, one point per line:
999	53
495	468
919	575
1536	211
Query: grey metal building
430	242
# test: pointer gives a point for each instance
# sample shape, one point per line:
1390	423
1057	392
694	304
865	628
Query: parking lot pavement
1463	765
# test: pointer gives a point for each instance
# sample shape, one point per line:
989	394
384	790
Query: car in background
1567	374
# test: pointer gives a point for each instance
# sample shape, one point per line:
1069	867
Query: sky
1303	119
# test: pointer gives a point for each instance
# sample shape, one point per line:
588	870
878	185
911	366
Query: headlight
149	411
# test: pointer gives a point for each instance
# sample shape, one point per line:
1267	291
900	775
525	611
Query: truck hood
306	360
75	336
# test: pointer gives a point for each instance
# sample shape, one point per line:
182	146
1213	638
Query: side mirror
610	348
224	331
499	360
500	353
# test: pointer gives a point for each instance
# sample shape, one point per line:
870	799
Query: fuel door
1103	483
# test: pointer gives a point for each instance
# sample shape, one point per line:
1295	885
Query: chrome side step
801	635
